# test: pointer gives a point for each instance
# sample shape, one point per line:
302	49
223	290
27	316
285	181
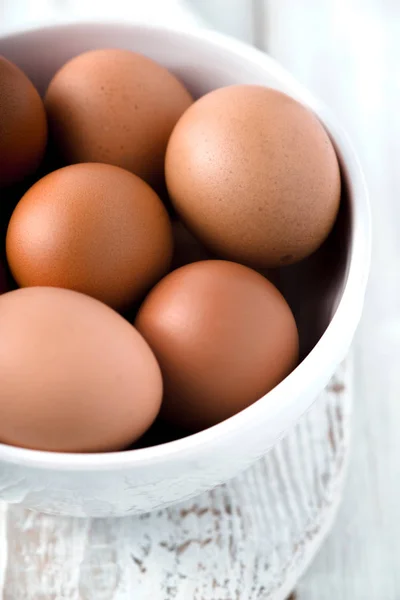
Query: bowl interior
313	287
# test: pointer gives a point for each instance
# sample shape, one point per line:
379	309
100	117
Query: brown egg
254	176
23	126
75	376
117	107
223	336
93	228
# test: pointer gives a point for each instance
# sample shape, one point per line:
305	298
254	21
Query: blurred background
348	53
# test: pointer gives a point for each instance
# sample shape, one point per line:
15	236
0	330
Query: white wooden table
348	52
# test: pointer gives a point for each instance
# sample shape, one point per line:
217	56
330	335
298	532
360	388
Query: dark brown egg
23	126
117	107
223	336
93	228
75	376
254	176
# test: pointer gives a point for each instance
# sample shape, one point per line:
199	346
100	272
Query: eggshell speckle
23	125
254	176
75	376
223	336
117	107
93	228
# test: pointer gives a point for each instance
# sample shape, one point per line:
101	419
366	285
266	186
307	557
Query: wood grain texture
245	540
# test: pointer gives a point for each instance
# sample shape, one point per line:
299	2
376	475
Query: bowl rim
334	342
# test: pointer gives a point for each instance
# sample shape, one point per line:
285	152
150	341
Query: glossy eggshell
254	176
117	107
75	376
93	228
23	125
223	336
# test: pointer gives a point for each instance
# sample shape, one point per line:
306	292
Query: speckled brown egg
75	376
254	176
93	228
23	125
223	336
117	107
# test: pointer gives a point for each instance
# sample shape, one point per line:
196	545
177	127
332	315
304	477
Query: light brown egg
223	336
254	176
117	107
23	126
75	376
93	228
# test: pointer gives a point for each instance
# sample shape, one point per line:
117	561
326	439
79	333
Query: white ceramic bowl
326	293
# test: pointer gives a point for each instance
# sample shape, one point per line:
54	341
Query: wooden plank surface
246	540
